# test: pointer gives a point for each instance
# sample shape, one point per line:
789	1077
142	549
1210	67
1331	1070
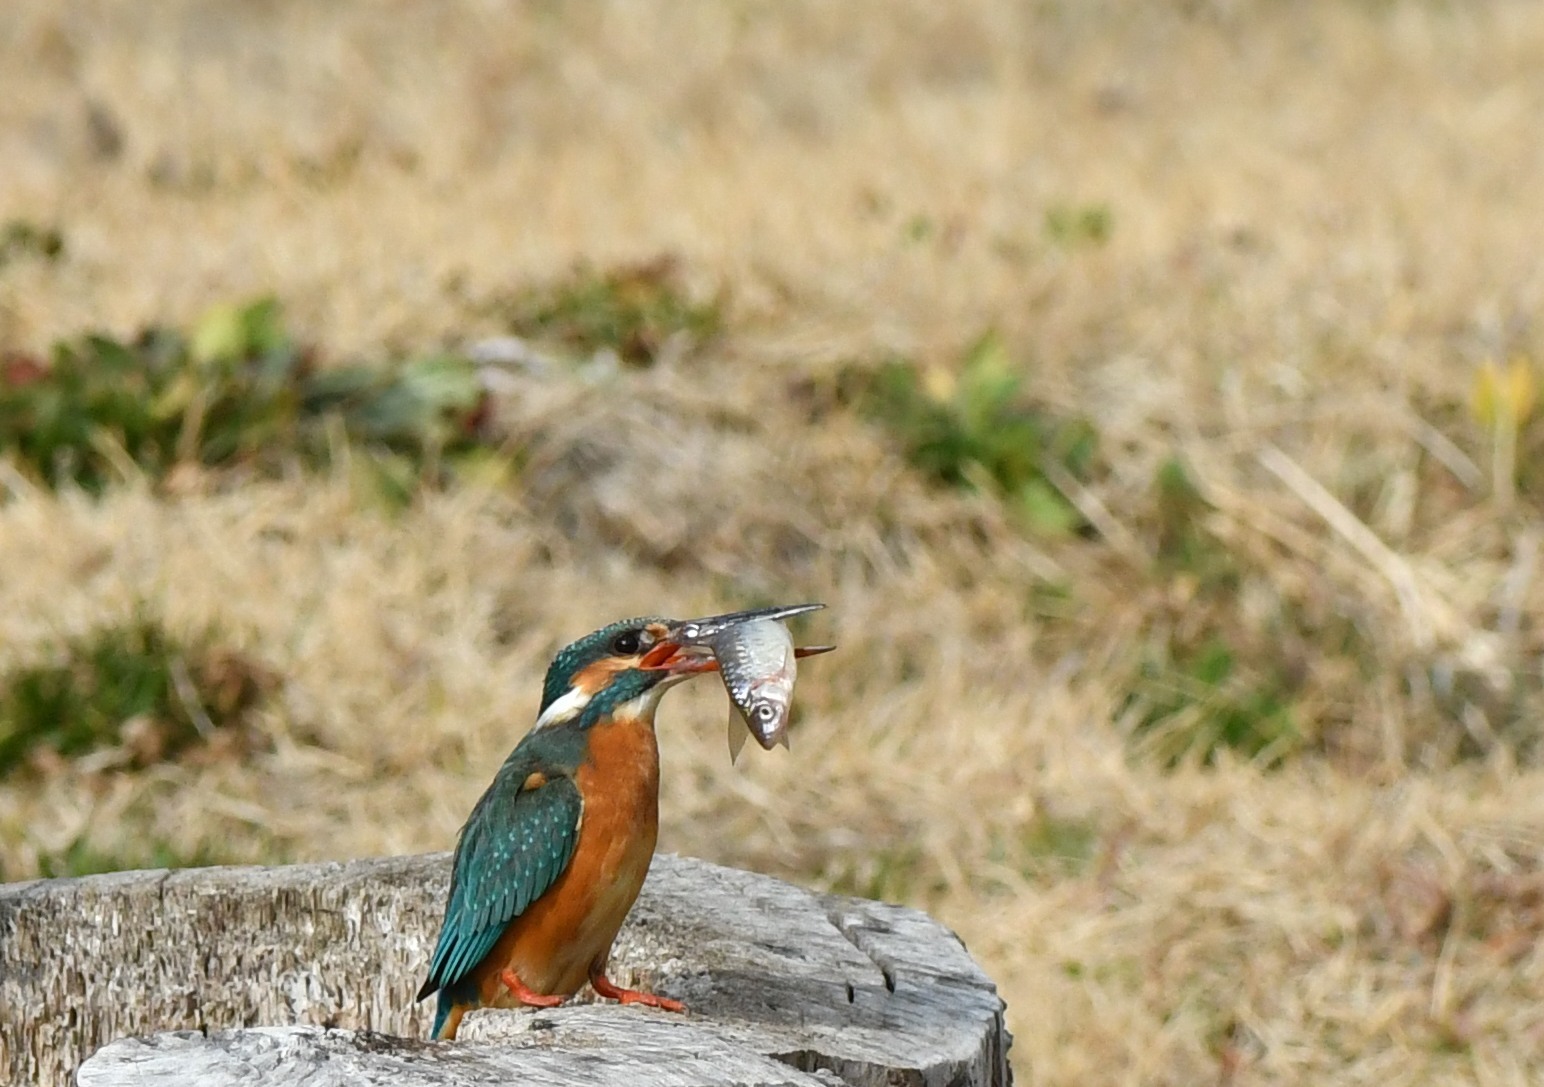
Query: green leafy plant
132	690
977	428
235	392
635	310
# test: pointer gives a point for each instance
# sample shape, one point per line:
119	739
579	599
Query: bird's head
624	669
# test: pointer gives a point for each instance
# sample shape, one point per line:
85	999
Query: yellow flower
1503	397
939	382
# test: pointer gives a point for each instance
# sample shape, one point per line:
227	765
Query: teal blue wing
515	844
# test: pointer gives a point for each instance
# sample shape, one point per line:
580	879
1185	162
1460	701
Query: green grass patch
977	427
886	874
1046	848
639	311
1194	701
1064	845
132	692
1185	546
1210	680
1070	225
234	392
20	238
81	858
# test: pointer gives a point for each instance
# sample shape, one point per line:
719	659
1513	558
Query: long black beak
687	646
698	631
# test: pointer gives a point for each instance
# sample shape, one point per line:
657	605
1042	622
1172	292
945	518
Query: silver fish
758	662
759	668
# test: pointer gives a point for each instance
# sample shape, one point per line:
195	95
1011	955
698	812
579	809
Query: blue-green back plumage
514	846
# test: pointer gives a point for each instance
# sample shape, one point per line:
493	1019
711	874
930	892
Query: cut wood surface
322	961
594	1046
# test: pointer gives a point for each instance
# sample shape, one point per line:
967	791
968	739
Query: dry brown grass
1324	216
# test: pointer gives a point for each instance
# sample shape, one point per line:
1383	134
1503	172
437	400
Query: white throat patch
645	704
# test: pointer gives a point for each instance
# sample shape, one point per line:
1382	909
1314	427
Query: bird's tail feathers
447	1017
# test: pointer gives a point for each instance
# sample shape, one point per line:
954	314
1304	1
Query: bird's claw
651	1000
605	987
526	996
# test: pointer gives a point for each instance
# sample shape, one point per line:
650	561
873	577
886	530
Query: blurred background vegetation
1150	391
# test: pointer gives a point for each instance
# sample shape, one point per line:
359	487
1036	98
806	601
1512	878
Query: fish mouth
686	649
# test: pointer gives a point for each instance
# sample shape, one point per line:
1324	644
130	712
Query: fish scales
758	665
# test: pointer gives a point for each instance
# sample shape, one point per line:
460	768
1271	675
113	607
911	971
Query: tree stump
307	973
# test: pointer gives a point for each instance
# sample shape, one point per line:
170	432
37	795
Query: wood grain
785	986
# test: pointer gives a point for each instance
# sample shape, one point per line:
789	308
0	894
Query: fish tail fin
738	731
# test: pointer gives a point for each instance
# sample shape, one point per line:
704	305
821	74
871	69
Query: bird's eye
627	643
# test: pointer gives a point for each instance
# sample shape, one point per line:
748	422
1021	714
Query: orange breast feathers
554	945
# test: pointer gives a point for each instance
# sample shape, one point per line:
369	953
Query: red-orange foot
526	996
604	987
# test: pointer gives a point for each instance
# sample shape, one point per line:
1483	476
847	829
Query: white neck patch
563	709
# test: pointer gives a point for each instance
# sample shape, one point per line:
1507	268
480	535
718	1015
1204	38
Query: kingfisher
556	850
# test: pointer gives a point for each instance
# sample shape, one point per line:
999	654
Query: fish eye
627	643
766	711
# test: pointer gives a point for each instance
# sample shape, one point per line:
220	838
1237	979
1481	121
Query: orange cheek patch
535	781
594	678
